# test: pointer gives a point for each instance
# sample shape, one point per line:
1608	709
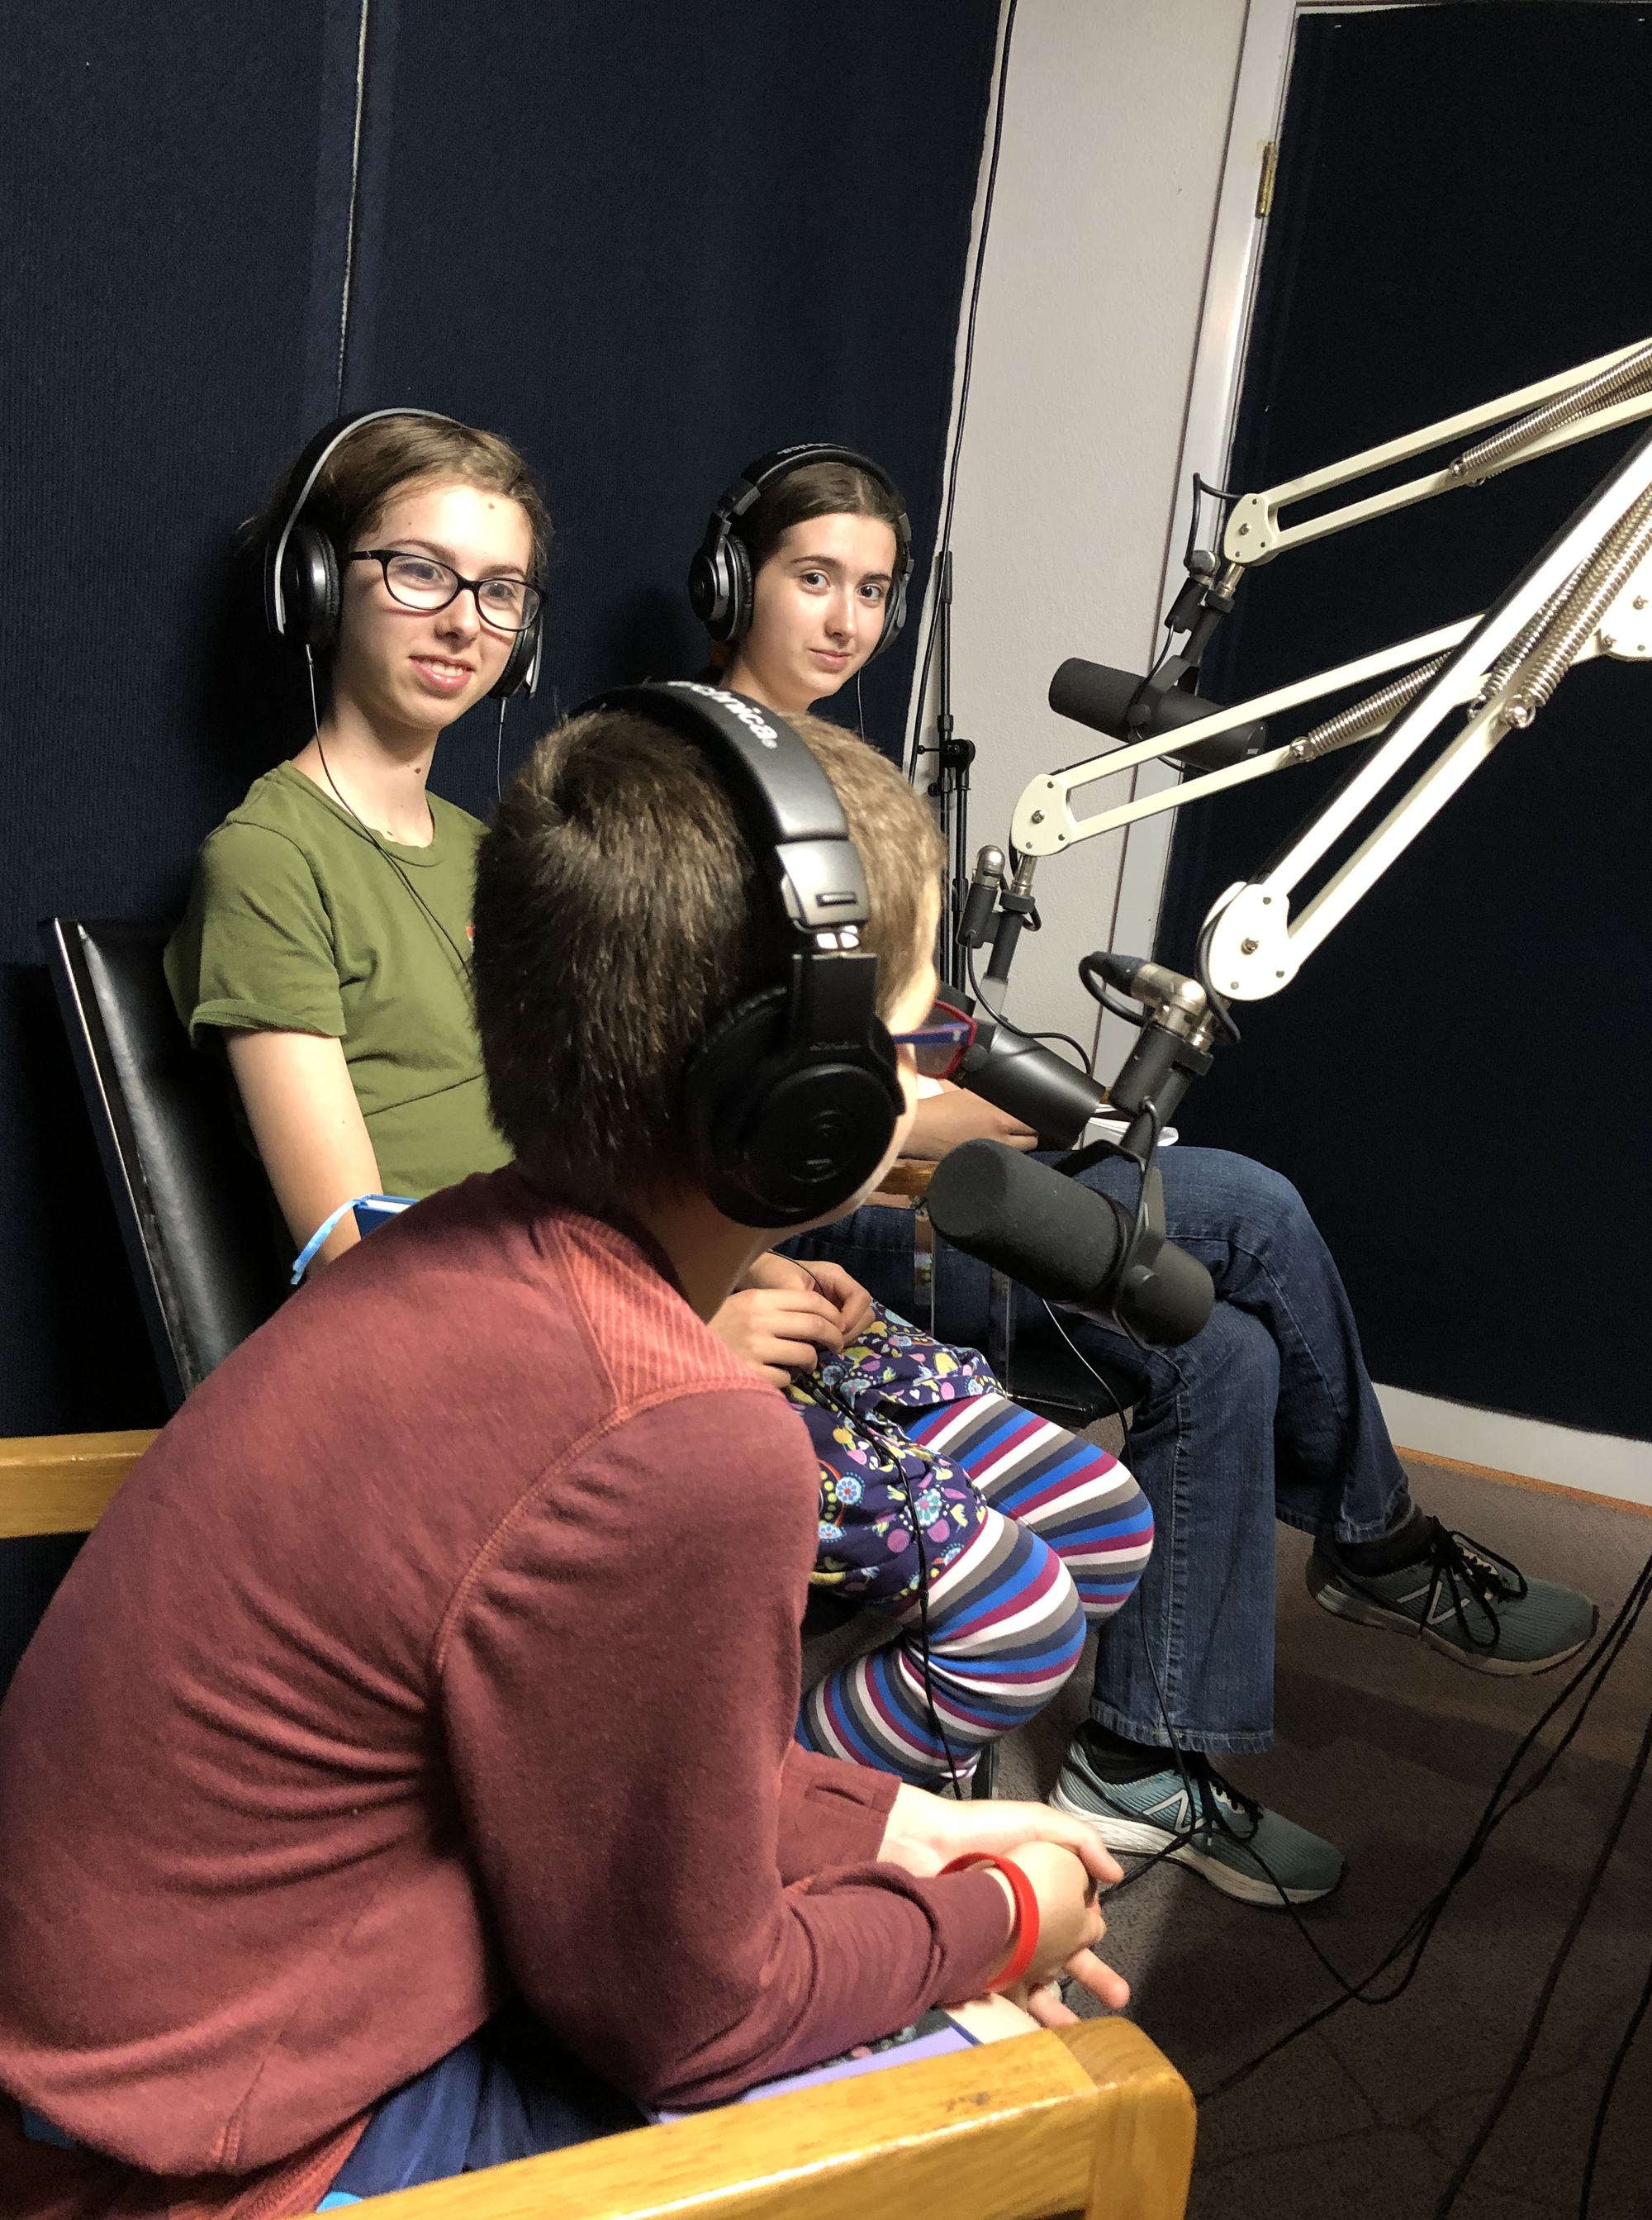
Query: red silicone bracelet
1026	1911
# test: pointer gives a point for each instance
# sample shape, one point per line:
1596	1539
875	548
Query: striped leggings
1063	1536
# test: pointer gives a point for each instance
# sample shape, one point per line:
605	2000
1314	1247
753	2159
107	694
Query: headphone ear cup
740	588
778	1141
309	588
707	597
894	615
720	583
522	672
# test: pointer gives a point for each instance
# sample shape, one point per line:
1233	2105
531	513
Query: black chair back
193	1202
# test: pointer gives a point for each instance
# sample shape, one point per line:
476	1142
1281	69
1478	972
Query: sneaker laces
1468	1572
1206	1791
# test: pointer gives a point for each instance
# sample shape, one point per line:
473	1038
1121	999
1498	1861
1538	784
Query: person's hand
778	1333
953	1116
1070	1923
851	1301
924	1832
846	1294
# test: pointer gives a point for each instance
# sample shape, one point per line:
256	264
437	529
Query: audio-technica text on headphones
302	600
719	576
791	1097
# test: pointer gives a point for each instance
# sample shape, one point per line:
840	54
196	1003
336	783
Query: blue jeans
1267	1413
510	2092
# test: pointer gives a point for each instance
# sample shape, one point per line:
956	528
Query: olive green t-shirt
300	919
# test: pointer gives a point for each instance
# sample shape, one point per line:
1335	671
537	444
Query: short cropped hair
618	911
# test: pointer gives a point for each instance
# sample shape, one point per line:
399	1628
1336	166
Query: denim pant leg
1333	1465
1267	1413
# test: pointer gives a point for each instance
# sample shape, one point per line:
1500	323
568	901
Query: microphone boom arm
1587	594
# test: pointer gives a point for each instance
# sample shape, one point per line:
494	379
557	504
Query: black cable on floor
1551	1979
1600	1663
1420	1929
1619	2057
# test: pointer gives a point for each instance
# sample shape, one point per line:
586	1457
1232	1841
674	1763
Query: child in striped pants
942	1499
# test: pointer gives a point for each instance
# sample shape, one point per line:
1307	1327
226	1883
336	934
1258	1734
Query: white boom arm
1588	594
1557	412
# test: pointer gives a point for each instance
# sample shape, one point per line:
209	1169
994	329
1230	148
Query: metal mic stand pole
951	786
952	790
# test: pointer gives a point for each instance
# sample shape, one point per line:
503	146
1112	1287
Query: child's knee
1108	1554
1061	1622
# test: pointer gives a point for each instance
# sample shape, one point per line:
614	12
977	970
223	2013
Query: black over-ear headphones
719	576
792	1096
302	598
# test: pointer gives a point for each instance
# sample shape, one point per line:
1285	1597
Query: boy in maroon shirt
440	1662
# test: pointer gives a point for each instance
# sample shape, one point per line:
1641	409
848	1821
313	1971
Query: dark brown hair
361	476
615	917
815	489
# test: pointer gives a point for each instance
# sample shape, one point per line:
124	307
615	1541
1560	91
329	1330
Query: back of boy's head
618	911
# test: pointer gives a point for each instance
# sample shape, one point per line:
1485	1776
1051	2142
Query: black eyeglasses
941	1043
419	581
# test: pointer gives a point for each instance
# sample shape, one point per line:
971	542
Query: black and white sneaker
1463	1600
1219	1832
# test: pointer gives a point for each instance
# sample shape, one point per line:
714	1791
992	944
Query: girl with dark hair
822	551
992	1538
1269	1413
327	942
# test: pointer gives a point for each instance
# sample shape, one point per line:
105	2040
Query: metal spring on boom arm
1536	659
1597	587
1633	375
1360	719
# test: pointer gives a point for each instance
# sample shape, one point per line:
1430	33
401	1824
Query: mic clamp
985	883
1172	1049
1016	910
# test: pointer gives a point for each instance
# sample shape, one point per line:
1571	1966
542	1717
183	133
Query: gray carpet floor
1391	1751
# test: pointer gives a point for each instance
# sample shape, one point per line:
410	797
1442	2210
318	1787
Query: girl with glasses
327	942
990	1537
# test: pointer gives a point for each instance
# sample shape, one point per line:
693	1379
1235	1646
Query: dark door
1458	1080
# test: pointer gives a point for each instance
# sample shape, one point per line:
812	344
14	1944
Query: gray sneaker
1463	1600
1222	1834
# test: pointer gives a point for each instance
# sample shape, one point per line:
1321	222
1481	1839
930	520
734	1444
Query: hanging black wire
1020	1031
944	547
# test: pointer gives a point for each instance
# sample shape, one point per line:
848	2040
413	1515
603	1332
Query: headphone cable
372	838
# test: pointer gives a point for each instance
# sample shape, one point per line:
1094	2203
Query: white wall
1115	133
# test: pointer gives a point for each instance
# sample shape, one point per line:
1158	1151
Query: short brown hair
615	916
359	476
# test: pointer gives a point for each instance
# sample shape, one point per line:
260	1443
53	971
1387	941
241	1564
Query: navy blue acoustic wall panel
647	242
161	171
668	252
1464	205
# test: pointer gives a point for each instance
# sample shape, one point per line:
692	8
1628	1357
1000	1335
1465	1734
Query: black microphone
984	884
1068	1244
1013	1073
1091	693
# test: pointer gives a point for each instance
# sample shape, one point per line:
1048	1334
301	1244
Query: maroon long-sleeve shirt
445	1643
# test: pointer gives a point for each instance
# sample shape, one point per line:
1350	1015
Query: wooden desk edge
1016	2118
63	1483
